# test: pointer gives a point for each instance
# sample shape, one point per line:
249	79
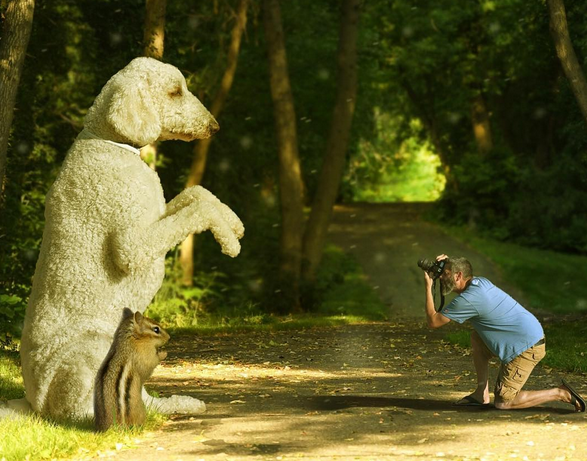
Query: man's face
448	281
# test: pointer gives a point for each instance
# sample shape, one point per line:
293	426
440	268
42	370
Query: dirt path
389	239
376	391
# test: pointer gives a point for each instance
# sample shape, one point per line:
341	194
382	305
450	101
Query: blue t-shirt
504	325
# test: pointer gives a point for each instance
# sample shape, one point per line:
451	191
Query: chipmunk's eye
156	330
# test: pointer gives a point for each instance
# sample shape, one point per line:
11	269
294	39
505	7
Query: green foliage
438	56
12	309
396	165
341	288
421	64
341	291
551	282
179	306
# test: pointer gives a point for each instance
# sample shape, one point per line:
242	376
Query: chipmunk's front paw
161	354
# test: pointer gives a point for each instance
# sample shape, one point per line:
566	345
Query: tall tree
153	47
566	54
290	178
338	140
154	33
17	26
202	146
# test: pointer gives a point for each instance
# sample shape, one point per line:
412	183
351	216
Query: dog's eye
176	93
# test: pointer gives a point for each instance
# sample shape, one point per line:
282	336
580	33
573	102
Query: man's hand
428	280
434	319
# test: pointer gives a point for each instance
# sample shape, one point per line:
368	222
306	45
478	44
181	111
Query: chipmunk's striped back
129	363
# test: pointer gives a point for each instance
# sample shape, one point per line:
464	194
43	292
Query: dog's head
149	101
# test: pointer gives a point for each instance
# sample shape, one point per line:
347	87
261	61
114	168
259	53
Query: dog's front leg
181	200
139	246
198	194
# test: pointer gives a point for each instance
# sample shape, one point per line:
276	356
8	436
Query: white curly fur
107	231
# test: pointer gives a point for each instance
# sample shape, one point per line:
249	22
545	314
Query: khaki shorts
513	375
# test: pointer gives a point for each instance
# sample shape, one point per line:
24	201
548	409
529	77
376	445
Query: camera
433	267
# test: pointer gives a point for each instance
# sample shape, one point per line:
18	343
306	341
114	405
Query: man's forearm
433	318
430	311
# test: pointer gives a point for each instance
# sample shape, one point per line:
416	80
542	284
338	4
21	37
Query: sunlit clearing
398	165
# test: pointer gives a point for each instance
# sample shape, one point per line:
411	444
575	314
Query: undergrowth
341	295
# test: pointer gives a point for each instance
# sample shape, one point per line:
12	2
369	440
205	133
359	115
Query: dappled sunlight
378	389
255	372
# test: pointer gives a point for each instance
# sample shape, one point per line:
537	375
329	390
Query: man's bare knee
502	405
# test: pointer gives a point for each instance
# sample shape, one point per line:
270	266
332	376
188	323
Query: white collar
87	134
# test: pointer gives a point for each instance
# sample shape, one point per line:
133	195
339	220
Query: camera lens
425	264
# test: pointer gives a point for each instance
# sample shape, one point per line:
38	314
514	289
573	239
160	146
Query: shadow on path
333	403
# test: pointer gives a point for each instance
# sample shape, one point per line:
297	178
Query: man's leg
481	357
512	377
526	399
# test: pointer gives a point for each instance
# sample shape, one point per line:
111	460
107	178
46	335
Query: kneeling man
503	329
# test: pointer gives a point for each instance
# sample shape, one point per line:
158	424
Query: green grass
566	346
272	323
461	338
35	438
11	384
553	283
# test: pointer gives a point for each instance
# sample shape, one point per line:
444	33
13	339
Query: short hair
460	265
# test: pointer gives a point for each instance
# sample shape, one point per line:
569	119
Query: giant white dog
107	231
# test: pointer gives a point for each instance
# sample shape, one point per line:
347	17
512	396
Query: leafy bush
12	309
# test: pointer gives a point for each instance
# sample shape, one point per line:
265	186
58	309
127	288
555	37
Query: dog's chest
148	193
153	195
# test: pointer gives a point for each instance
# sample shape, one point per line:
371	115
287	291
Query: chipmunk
133	356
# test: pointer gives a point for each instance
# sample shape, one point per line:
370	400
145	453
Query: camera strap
441	295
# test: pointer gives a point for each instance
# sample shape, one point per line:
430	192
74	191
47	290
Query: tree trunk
154	33
154	45
290	178
338	140
201	147
17	26
566	53
481	126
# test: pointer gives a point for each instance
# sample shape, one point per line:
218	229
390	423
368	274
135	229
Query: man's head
457	272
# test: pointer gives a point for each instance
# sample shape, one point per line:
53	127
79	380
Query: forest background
461	103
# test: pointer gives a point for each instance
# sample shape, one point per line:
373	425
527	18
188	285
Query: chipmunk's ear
126	313
138	317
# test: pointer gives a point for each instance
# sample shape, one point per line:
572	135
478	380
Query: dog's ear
132	114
